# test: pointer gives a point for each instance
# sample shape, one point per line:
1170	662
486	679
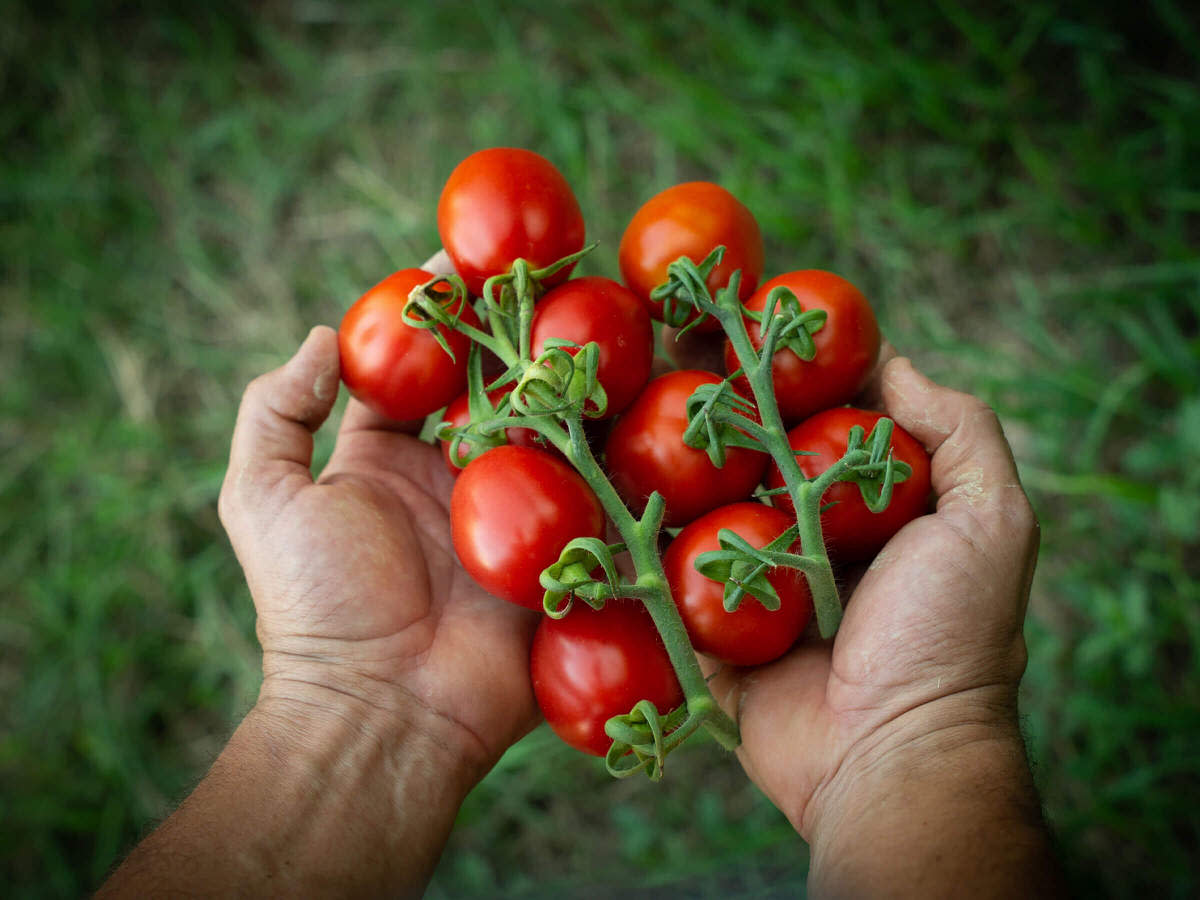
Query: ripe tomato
592	665
600	310
503	204
395	369
751	634
847	345
458	413
645	452
512	511
690	219
852	532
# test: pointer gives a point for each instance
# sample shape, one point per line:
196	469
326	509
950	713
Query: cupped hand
931	645
359	594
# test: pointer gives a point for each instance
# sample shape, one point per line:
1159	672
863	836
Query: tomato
458	413
690	220
852	532
645	452
395	369
847	345
751	634
601	310
502	204
592	665
512	511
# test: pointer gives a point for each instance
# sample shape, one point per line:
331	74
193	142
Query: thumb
273	439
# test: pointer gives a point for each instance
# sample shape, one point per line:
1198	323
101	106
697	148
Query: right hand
930	651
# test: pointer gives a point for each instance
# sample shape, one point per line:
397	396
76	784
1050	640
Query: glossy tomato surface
847	345
592	665
751	634
458	413
506	203
645	452
601	310
852	532
395	369
512	511
689	220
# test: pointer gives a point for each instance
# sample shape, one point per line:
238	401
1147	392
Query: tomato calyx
785	324
572	576
558	382
719	418
429	304
880	470
687	282
643	737
742	568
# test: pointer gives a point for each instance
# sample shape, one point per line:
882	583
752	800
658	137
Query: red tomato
458	413
512	511
847	345
852	532
600	310
592	665
397	370
751	634
690	220
645	452
503	204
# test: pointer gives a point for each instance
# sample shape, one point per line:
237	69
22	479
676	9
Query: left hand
359	594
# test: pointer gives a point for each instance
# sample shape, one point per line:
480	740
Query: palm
359	567
937	615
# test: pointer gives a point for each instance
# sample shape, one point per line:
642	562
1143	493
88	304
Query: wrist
320	710
941	795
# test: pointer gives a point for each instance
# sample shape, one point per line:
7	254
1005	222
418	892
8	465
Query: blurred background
182	195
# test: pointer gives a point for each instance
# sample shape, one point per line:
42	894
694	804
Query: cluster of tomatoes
517	505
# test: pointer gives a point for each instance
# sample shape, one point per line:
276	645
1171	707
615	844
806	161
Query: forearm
952	813
306	800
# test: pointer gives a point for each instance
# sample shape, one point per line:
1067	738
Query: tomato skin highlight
645	452
512	511
601	310
592	665
506	203
852	532
847	345
690	219
750	635
395	369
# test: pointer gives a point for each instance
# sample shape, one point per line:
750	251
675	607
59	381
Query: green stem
651	587
805	495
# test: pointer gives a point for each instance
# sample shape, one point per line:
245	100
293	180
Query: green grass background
182	195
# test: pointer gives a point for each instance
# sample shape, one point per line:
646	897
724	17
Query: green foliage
184	194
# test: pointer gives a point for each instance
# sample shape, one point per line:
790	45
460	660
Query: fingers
358	417
871	395
273	439
439	264
973	471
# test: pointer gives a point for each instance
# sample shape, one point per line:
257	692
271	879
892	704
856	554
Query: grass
183	195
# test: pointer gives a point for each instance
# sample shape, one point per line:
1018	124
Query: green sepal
784	323
480	433
686	290
640	740
426	307
712	411
743	568
559	382
570	576
877	475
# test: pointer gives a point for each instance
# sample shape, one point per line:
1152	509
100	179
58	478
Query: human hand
360	597
909	713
